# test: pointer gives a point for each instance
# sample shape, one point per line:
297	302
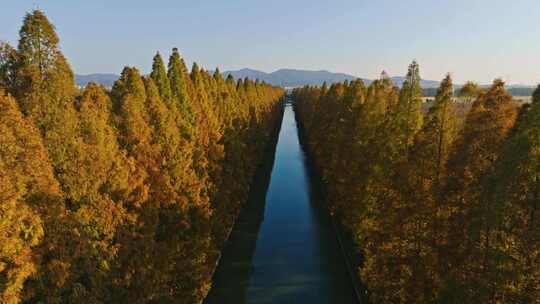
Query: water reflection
286	252
232	275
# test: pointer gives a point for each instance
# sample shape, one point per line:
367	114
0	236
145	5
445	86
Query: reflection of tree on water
231	278
344	239
293	255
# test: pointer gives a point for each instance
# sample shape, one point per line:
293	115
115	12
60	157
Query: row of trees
122	195
471	87
443	204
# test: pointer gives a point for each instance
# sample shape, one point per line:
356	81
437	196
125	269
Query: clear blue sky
473	39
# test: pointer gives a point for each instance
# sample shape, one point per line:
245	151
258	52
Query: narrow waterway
283	248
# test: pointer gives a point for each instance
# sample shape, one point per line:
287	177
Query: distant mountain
426	84
291	77
297	78
104	79
249	73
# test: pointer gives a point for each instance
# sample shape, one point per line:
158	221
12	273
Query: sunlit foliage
443	206
121	195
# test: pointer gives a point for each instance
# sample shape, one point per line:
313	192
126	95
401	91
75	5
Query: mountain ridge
284	77
106	79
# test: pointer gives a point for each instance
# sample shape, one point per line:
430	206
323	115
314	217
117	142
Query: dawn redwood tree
101	184
409	109
472	220
8	67
442	208
515	189
437	134
44	78
426	174
31	204
120	195
469	91
161	80
180	87
45	90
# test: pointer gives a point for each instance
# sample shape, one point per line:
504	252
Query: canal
283	248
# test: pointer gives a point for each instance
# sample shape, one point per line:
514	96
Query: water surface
283	248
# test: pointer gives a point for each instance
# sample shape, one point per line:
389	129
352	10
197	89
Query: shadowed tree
8	67
471	274
426	175
515	189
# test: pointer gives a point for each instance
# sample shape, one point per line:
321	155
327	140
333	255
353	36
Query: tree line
466	88
122	195
442	202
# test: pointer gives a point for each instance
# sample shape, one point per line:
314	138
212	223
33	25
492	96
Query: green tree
8	66
44	77
159	75
180	82
409	109
469	91
129	97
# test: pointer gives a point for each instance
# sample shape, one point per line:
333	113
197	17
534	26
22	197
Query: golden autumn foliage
120	195
442	208
30	200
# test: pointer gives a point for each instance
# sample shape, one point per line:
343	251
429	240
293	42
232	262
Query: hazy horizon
329	71
359	38
166	182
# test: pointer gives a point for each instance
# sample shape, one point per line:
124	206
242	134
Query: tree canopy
439	200
120	195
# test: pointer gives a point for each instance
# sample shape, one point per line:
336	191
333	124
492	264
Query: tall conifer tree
159	75
515	191
31	204
472	219
409	114
179	79
110	197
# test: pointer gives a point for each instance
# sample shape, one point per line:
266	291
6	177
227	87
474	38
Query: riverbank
289	252
352	259
247	222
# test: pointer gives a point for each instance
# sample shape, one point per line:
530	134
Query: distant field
520	99
523	99
463	107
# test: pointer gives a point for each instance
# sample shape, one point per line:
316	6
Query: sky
477	40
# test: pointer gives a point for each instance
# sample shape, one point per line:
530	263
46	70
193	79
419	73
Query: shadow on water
320	212
233	272
344	239
283	248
